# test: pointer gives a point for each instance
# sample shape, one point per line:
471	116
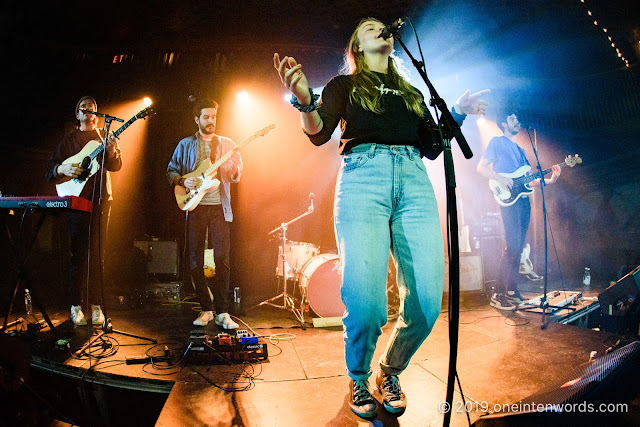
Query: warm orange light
147	101
243	96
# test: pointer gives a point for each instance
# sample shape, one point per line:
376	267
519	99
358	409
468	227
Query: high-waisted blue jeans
384	201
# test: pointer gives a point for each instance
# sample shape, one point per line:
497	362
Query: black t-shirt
396	125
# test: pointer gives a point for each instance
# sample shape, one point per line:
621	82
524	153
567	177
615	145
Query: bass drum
321	278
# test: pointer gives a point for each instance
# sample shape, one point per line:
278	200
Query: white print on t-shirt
384	90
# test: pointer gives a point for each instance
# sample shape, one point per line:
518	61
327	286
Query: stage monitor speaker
162	256
595	393
620	309
618	298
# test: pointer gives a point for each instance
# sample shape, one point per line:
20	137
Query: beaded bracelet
306	108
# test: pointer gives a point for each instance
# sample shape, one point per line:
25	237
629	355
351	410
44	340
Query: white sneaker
204	318
97	316
224	320
77	316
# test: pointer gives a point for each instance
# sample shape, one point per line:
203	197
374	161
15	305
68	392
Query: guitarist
213	211
504	155
79	222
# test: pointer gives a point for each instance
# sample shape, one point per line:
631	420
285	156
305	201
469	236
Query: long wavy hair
365	82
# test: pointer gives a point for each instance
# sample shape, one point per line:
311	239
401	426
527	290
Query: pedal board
557	300
223	348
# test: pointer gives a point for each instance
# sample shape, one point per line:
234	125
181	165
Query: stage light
243	96
147	101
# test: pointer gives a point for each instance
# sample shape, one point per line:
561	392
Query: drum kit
316	275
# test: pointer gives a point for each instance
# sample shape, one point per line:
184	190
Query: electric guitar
87	158
188	199
507	197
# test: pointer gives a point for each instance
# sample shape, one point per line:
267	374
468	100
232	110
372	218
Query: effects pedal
223	348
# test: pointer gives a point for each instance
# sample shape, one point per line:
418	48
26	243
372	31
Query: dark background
545	58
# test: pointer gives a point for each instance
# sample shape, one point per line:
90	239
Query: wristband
306	108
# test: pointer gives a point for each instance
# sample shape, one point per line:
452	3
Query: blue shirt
506	155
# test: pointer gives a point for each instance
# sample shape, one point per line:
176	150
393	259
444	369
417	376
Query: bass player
503	156
212	212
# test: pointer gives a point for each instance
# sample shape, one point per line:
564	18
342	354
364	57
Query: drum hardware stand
288	302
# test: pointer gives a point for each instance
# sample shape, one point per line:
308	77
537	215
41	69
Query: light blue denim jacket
184	159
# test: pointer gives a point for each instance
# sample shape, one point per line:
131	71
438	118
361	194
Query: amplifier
170	291
471	277
162	256
487	225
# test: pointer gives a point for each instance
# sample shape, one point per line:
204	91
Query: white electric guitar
87	158
205	172
507	197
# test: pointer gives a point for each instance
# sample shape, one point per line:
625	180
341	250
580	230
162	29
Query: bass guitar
87	158
188	199
507	197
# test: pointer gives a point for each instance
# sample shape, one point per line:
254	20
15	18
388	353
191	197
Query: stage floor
502	359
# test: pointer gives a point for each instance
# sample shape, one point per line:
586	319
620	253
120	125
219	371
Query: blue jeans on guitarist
515	219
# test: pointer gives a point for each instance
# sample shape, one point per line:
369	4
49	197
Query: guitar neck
528	178
109	140
228	155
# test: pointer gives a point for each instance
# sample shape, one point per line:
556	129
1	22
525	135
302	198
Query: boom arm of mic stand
286	224
450	128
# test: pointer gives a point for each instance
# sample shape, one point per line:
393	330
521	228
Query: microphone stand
288	303
107	324
544	302
448	129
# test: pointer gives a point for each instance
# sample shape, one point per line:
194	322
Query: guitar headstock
571	161
265	130
145	112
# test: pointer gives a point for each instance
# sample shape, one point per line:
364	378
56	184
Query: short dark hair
503	115
203	103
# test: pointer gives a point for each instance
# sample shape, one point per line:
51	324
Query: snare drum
321	278
298	253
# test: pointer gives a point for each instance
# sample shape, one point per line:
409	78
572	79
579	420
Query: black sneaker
362	403
500	302
393	399
515	298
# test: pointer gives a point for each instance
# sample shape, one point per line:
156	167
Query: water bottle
27	301
236	300
586	278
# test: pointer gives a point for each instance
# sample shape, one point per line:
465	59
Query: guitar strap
523	156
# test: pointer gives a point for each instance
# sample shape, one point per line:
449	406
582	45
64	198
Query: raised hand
472	104
292	77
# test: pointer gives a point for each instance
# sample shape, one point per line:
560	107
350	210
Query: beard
207	130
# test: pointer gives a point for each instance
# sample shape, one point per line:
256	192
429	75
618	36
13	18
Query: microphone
95	113
391	29
311	196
